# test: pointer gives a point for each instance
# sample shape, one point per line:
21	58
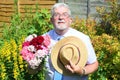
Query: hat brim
55	52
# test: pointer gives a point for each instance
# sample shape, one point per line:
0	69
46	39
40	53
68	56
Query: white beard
61	26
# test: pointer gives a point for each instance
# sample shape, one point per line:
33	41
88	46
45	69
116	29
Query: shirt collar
57	37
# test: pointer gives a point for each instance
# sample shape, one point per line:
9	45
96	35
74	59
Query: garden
105	36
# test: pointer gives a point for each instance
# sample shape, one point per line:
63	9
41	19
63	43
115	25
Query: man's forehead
61	9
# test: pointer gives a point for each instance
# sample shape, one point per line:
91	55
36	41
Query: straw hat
68	49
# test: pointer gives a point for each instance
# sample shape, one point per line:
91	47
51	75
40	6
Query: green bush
38	23
105	37
110	19
107	43
12	66
108	52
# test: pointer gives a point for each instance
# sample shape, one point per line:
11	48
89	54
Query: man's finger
72	65
68	67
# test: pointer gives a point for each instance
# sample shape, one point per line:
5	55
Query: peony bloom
26	43
31	48
26	54
37	42
46	40
30	37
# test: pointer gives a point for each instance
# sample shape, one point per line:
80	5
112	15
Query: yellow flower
3	75
15	72
13	44
3	71
21	63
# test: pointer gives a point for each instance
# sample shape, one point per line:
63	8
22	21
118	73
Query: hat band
72	54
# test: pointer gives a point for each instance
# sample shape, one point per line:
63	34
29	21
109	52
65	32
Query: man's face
61	19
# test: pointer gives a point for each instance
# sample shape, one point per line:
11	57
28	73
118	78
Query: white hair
60	5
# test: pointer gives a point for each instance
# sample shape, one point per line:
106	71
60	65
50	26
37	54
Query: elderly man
61	20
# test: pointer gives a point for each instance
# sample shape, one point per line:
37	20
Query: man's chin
60	28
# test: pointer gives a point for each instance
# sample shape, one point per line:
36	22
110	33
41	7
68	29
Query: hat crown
69	52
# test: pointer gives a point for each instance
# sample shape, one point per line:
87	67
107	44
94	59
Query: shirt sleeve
91	52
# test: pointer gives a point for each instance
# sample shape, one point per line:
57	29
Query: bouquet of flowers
35	49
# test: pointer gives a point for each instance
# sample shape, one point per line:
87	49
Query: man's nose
61	16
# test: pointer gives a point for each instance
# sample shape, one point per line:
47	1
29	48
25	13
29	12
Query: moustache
60	21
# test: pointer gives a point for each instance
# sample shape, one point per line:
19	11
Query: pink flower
27	55
26	43
46	40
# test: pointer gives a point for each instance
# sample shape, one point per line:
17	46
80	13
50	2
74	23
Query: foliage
106	41
38	24
12	66
11	63
107	49
110	19
85	26
108	53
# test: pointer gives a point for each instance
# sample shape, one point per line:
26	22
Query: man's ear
71	20
51	19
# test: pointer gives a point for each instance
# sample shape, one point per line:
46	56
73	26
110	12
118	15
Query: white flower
34	63
30	37
34	35
40	53
31	48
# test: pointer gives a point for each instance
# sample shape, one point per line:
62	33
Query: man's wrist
83	71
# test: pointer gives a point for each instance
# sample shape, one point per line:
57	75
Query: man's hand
74	68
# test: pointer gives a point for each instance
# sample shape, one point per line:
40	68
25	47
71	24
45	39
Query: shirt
71	32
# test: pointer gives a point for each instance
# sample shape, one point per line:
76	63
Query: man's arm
88	69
